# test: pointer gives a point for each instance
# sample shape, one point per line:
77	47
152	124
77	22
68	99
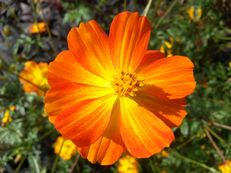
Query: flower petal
64	95
104	151
129	36
66	68
86	121
89	43
170	111
149	57
143	133
108	148
174	75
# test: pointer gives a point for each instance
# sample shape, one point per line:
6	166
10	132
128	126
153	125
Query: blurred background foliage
199	29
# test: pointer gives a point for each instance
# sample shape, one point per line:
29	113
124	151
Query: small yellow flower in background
226	167
7	117
167	47
230	64
64	148
194	13
37	27
34	77
164	154
127	164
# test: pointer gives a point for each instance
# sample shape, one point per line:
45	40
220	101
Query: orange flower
37	27
110	95
64	148
226	167
127	164
34	77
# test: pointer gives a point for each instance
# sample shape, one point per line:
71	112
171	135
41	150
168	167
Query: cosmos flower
127	164
194	13
34	77
110	95
226	167
64	148
37	27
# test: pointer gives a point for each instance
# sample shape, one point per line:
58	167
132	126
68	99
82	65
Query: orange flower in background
127	164
64	148
225	167
37	27
34	77
110	95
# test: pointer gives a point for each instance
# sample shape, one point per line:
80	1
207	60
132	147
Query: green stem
125	5
202	165
219	152
46	134
186	142
222	125
166	13
20	165
151	165
156	6
215	134
57	158
75	165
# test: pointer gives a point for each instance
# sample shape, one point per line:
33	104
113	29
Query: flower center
126	84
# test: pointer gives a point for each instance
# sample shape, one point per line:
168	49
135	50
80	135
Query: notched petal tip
129	36
89	44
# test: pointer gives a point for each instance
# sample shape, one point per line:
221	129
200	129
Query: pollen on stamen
126	84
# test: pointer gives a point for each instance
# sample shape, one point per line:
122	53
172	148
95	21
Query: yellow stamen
126	84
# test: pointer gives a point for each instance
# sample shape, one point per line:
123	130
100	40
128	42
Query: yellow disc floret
126	84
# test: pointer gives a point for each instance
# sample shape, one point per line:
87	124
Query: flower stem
215	134
145	12
156	7
125	5
222	125
219	152
57	158
20	165
186	142
202	165
75	164
166	13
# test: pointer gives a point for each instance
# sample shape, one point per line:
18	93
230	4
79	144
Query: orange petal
86	121
89	43
143	133
104	151
149	57
66	68
108	148
174	75
170	111
129	37
64	95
